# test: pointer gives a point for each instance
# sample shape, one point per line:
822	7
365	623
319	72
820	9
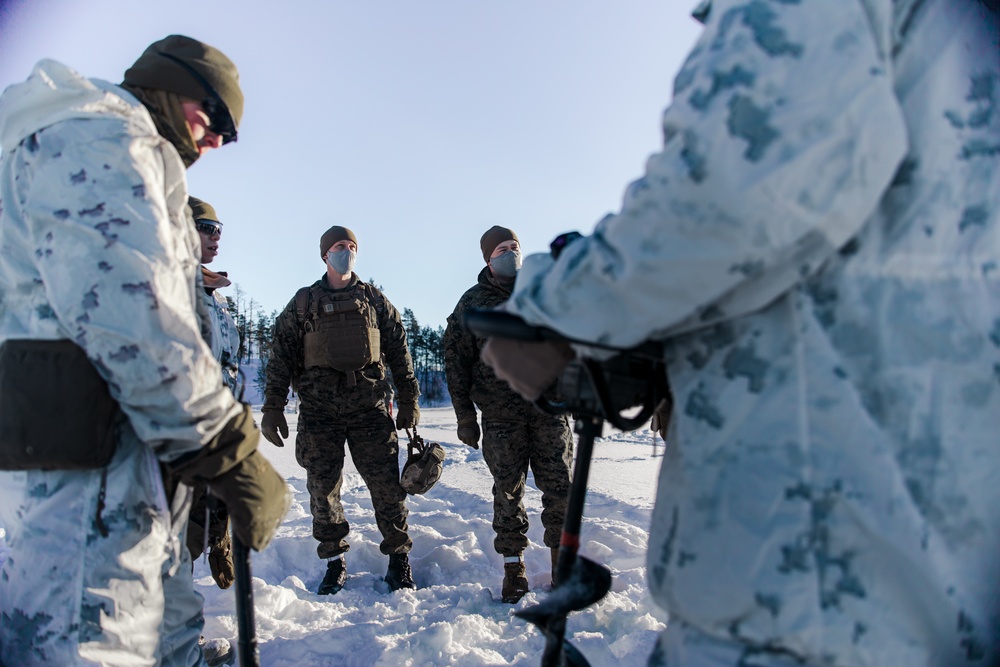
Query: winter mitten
529	367
256	495
257	498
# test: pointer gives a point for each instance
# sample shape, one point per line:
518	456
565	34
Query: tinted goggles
208	227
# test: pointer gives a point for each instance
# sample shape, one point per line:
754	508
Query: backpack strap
303	299
376	297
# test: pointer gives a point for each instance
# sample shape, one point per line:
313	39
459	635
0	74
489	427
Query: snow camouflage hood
53	93
817	244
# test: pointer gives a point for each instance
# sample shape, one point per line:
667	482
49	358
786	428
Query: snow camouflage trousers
70	595
543	442
319	448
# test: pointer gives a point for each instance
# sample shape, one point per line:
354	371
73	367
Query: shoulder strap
378	299
303	298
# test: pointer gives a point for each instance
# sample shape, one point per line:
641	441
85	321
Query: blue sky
417	123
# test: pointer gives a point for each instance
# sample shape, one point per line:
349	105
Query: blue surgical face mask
341	261
506	266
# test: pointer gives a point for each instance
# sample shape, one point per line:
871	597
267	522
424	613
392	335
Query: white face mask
507	265
341	261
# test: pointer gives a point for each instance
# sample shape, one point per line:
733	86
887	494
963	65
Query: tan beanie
202	210
334	234
493	237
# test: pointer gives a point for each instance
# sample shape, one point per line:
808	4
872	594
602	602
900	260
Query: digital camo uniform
112	267
335	406
819	243
514	431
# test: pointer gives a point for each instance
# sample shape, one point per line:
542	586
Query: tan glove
256	495
660	423
528	367
408	415
468	432
271	423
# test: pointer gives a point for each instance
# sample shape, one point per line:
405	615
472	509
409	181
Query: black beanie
493	237
182	65
202	210
334	234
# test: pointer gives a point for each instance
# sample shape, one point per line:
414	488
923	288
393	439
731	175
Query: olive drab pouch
56	412
342	334
423	467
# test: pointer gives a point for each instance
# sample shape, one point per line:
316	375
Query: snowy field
455	616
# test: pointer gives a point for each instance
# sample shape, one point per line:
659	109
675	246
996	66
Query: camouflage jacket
98	248
331	391
472	383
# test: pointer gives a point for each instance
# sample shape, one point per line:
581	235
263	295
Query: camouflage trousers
545	444
371	437
75	589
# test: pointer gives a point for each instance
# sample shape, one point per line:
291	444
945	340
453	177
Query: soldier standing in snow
516	435
102	351
224	339
818	246
334	340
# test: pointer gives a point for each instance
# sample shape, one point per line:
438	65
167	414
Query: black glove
256	495
271	422
468	432
408	415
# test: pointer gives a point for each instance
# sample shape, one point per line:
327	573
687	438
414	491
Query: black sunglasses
220	120
210	228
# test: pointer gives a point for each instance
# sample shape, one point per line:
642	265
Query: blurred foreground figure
111	403
818	246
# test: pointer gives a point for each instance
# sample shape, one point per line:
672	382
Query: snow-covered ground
455	616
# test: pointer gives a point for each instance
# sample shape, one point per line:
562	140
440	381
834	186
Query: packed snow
455	616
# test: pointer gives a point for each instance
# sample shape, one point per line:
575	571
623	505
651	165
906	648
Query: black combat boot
398	575
336	577
515	581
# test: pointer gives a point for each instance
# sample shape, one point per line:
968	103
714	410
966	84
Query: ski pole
249	655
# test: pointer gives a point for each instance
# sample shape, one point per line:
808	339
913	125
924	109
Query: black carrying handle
416	442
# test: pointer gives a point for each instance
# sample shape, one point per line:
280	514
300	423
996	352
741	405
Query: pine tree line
426	345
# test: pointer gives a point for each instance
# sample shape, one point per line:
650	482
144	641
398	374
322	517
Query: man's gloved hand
271	423
407	415
256	495
468	432
661	416
528	367
257	498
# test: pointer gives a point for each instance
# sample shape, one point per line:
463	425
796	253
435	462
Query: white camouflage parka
225	336
97	247
818	244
